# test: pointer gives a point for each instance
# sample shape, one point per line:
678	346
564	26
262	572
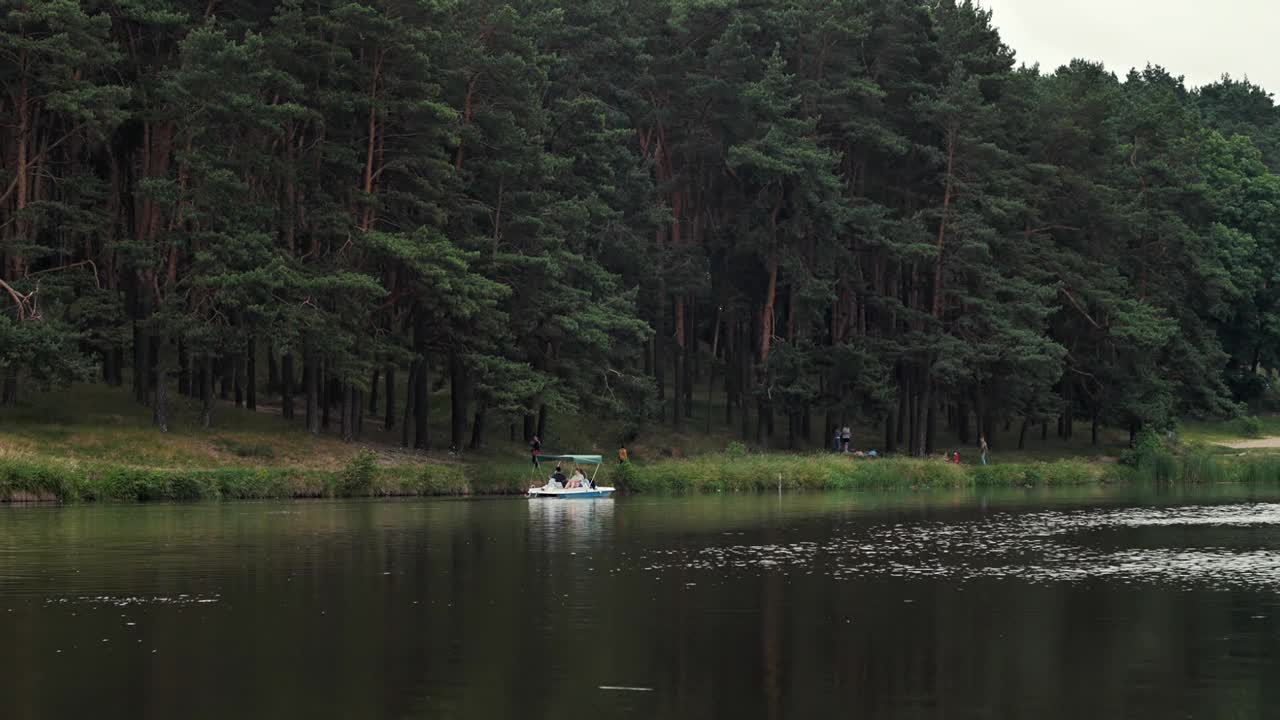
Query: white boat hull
572	493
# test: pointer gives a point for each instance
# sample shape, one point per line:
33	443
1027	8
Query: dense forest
816	212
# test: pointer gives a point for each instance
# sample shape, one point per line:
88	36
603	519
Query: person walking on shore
982	447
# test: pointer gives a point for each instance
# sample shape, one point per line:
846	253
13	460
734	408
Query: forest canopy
862	211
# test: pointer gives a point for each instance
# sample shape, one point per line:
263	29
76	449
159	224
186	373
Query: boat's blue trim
574	496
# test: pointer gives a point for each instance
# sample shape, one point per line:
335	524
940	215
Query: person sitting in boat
555	482
578	480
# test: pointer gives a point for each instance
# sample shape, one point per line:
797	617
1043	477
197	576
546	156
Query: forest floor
95	425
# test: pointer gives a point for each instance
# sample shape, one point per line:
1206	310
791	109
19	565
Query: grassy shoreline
757	473
44	480
34	479
92	443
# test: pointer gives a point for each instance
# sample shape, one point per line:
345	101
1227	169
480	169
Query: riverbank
49	480
90	443
759	473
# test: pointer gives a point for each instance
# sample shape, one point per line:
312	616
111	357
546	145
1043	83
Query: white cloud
1198	39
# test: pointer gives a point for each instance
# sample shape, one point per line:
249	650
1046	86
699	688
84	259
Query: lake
1074	603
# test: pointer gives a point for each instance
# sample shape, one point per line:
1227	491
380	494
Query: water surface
1104	602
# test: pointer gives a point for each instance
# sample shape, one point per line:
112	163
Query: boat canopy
579	459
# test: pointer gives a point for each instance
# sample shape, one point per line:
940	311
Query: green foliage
357	477
764	473
1248	426
858	208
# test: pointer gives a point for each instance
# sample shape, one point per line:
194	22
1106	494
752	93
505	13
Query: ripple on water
132	600
1043	547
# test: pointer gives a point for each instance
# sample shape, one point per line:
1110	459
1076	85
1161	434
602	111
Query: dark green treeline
857	212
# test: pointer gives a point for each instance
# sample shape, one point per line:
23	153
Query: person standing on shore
535	449
845	436
982	447
622	455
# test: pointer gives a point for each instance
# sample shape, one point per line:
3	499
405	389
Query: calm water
1067	604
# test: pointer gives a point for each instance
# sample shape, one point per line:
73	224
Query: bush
1249	426
357	476
1147	445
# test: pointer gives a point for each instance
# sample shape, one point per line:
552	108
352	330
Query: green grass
757	473
25	480
92	442
754	473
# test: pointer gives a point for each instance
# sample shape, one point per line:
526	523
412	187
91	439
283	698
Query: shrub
1147	445
356	477
1249	426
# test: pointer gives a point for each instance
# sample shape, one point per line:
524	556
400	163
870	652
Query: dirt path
1258	444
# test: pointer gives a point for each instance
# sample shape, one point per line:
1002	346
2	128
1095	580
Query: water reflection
579	523
1072	546
1024	604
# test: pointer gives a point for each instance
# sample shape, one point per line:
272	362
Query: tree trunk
410	395
389	420
273	371
326	395
477	427
421	436
764	426
1094	428
9	393
890	433
914	446
117	362
530	426
904	404
237	365
160	406
346	428
373	392
1022	434
711	383
141	365
224	379
206	391
542	422
690	353
357	411
108	366
251	375
931	425
678	358
286	386
923	411
659	340
962	423
457	400
313	391
184	370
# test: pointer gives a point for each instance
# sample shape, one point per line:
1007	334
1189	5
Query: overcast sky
1198	39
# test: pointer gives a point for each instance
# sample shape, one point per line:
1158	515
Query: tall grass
722	473
34	480
755	473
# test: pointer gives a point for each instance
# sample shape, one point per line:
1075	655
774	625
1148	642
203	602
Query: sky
1198	39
